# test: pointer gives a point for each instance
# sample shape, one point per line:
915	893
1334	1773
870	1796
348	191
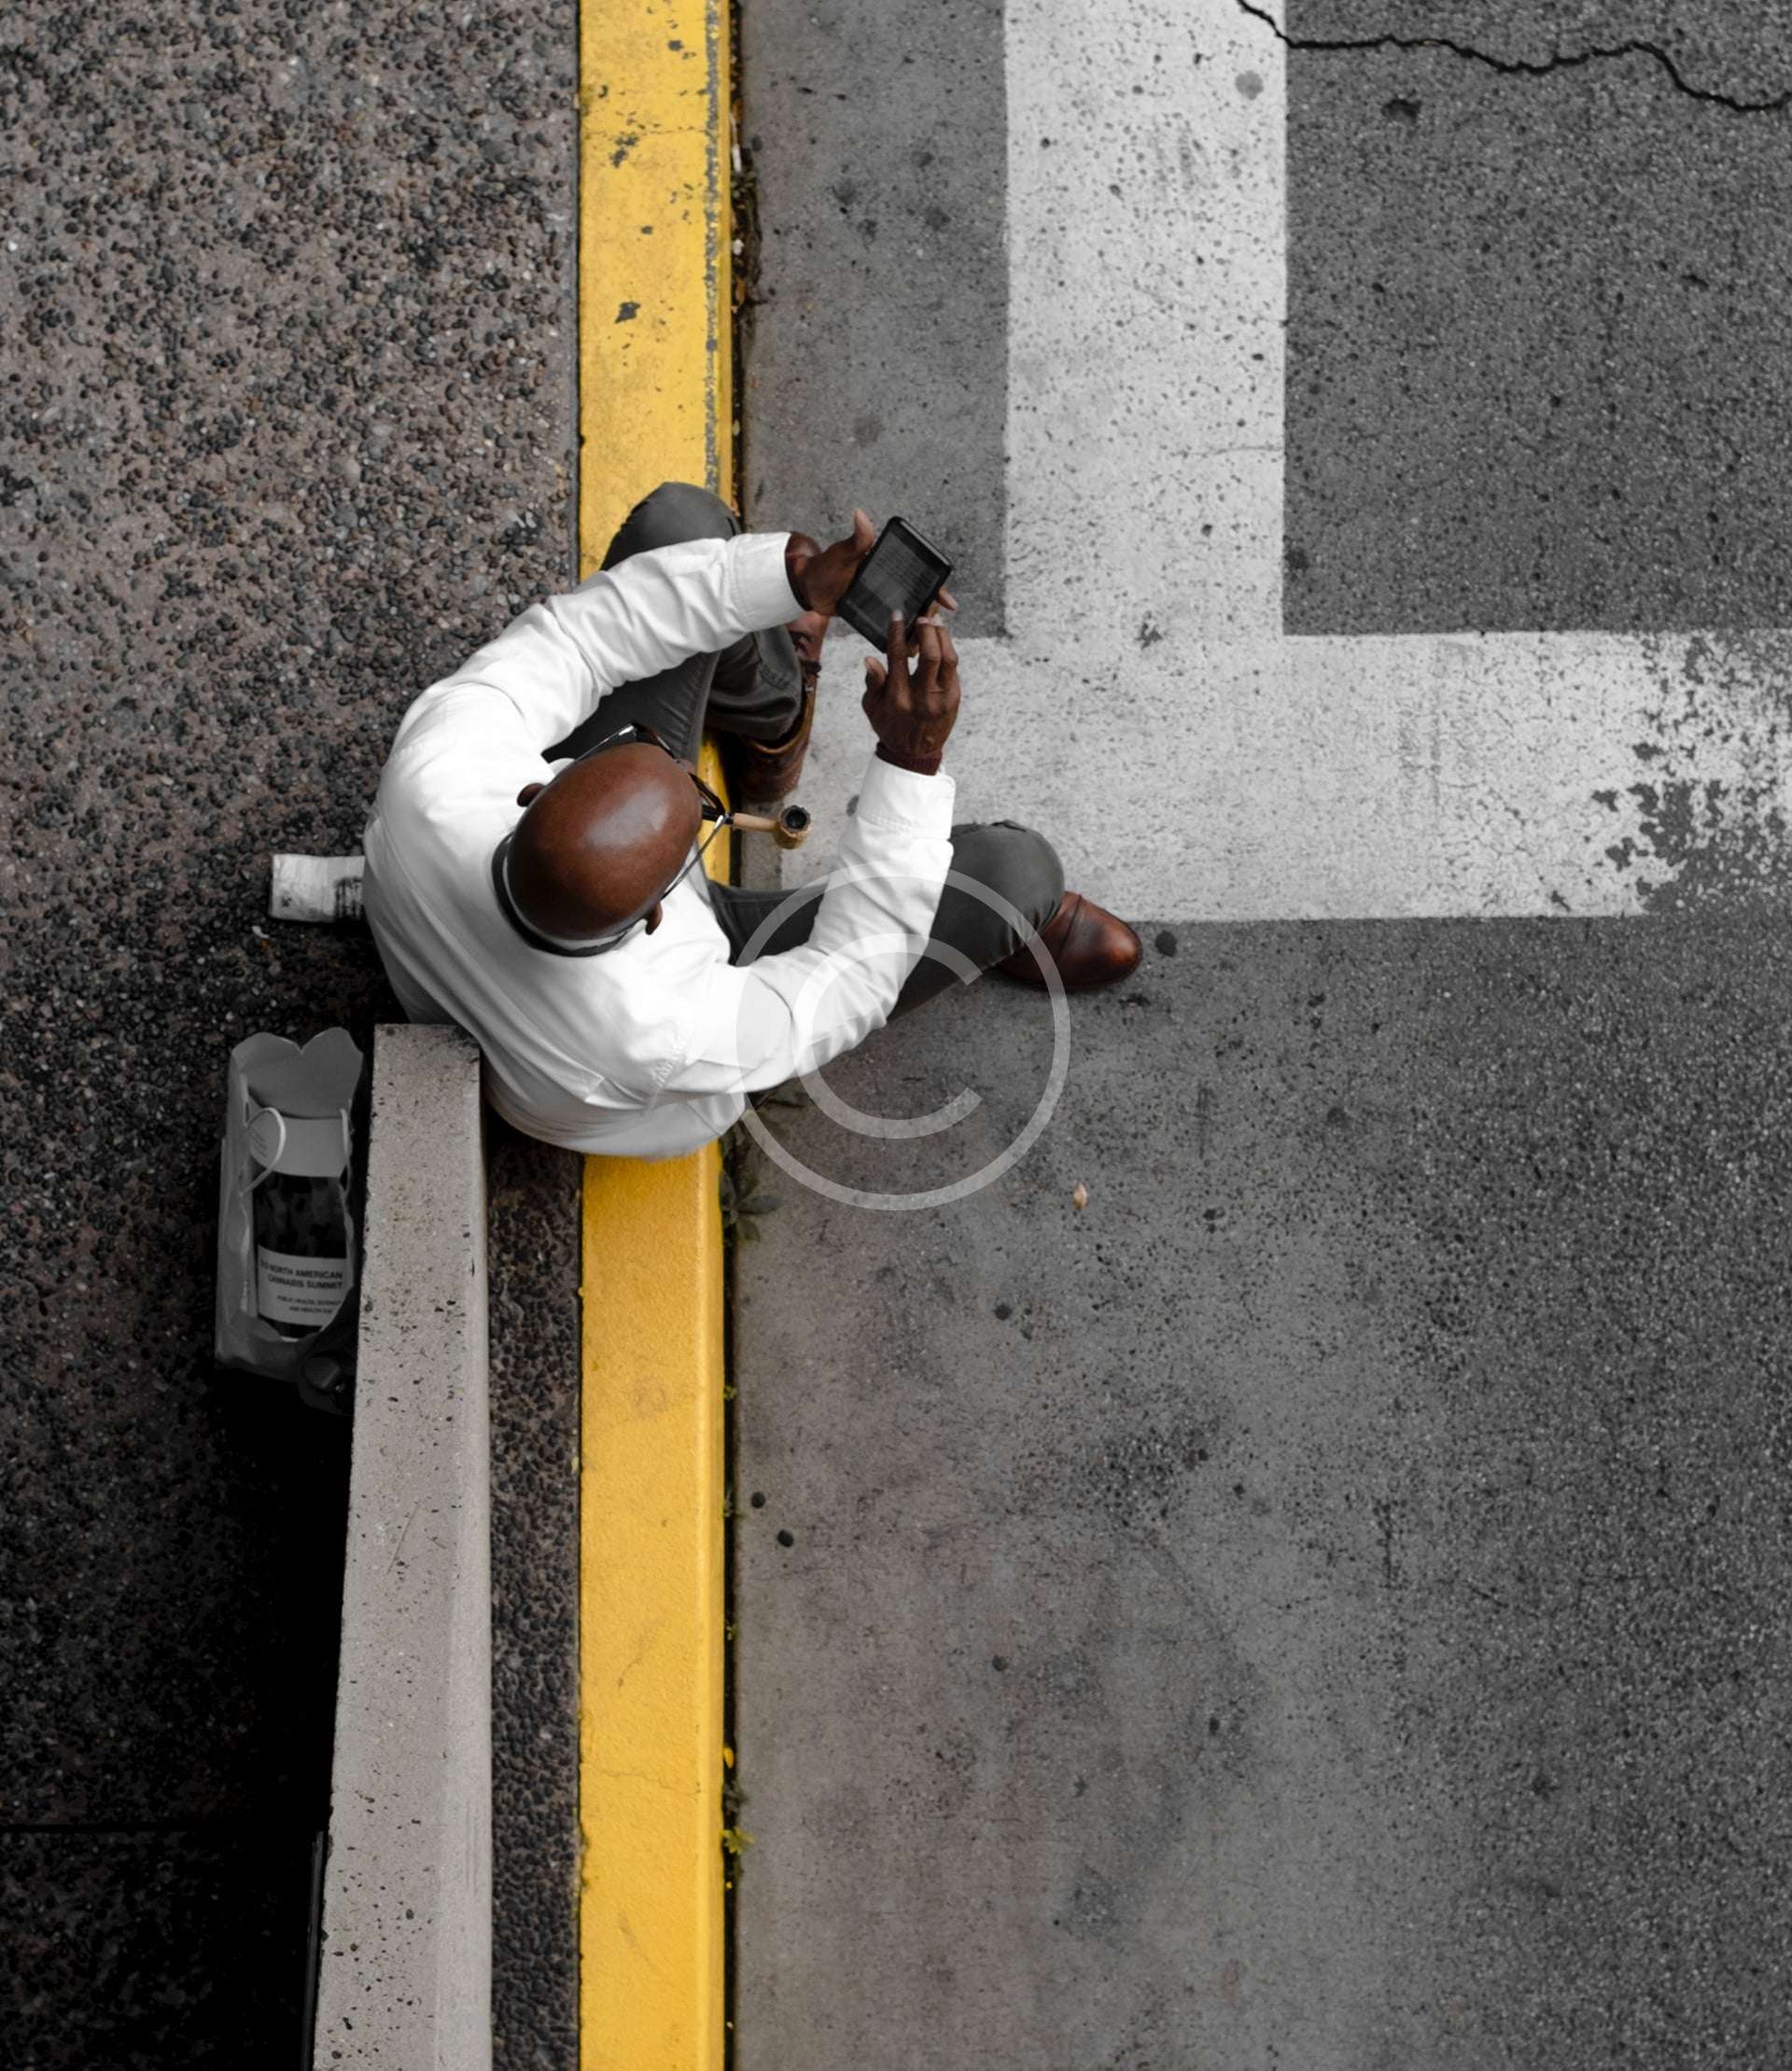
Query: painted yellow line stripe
655	319
655	404
650	1616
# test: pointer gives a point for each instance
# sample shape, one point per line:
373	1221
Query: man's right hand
912	711
819	576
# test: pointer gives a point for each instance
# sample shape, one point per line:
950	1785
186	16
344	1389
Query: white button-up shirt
650	1048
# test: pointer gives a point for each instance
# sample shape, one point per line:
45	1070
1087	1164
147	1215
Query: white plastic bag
289	1118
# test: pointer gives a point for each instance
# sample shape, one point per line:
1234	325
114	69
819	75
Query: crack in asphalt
1562	61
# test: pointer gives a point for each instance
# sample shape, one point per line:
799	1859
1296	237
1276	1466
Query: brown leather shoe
767	770
1090	945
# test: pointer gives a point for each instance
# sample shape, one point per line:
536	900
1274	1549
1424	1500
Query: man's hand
807	632
820	577
912	714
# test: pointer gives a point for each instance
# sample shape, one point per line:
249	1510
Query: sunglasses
710	805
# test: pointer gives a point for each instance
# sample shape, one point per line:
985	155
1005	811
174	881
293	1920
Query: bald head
596	847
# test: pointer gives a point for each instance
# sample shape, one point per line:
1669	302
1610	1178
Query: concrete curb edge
405	1974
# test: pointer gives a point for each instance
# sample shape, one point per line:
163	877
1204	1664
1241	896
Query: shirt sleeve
762	1023
548	669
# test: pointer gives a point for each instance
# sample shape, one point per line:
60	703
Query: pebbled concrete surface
1533	321
1320	1603
534	1209
287	405
875	362
151	1947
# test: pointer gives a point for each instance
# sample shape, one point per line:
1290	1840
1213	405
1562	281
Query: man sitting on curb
622	1002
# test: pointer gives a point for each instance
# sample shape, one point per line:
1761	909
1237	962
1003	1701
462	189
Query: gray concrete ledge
406	1967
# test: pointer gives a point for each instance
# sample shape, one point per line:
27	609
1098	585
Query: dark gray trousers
754	689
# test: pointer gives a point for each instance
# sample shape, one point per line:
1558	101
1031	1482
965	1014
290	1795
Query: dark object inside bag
302	1236
289	1215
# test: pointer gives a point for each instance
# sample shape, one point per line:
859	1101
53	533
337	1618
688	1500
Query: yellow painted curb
655	318
650	1618
655	404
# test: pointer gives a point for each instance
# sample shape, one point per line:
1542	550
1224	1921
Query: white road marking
1189	759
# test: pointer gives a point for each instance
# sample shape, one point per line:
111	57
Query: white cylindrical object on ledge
322	889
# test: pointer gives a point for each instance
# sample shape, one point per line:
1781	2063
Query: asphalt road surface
1319	1603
